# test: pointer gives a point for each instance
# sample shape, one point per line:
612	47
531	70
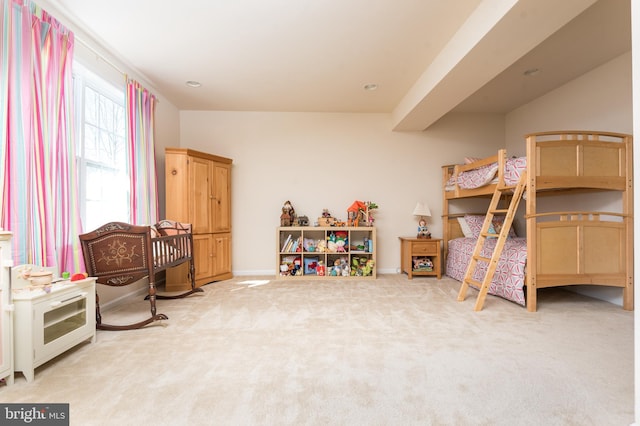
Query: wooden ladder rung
487	235
474	282
499	211
482	258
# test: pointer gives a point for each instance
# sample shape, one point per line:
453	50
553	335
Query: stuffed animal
288	214
297	266
355	265
336	268
309	244
341	241
344	267
367	269
285	218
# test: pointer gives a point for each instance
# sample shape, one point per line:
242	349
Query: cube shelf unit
361	244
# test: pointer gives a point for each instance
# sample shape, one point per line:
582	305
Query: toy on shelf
291	265
337	242
362	267
422	264
341	241
367	269
326	219
360	213
288	215
345	268
340	267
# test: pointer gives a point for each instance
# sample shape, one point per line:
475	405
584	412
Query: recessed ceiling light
531	71
370	86
192	83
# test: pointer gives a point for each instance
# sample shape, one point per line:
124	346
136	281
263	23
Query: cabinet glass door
68	316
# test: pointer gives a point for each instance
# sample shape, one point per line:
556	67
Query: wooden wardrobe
198	191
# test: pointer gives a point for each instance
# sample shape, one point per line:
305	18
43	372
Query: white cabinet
6	314
48	324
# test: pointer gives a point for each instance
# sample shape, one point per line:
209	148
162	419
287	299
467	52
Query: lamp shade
421	210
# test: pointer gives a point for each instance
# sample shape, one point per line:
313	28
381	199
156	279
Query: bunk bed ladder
494	209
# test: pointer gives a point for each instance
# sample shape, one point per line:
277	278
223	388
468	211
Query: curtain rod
101	57
108	62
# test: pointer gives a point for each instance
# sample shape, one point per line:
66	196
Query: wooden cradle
567	247
119	254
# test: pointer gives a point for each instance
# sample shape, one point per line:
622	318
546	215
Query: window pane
107	196
90	106
91	150
119	122
104	181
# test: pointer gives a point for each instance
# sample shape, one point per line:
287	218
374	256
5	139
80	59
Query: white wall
324	160
597	100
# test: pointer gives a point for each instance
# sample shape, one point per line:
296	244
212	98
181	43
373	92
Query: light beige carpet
383	352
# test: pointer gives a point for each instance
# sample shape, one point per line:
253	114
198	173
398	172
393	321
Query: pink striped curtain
37	149
141	154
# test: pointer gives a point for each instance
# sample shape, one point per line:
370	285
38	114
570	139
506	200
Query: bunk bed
119	254
561	248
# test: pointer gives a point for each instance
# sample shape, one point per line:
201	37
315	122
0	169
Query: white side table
48	324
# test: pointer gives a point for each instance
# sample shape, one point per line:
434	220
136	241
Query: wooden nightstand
411	248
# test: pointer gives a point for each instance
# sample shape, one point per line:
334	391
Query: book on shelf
286	242
292	245
296	245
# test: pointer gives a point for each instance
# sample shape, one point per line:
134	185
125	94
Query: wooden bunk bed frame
568	247
119	254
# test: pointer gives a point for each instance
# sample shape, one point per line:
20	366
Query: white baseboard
262	272
272	272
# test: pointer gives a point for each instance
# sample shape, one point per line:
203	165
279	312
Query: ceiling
427	57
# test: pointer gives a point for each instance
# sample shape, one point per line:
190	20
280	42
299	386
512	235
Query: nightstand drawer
426	248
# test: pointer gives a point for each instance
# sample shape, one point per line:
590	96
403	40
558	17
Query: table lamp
422	211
